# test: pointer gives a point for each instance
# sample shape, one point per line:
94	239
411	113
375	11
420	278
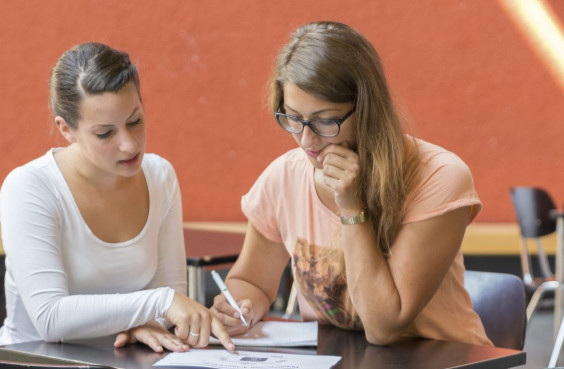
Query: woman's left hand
153	335
341	171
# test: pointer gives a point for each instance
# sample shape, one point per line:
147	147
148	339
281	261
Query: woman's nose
127	143
308	137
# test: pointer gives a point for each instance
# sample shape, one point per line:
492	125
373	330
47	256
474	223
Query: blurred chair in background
499	300
533	207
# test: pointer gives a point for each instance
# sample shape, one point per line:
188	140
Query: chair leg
557	346
292	299
541	289
526	262
543	260
534	301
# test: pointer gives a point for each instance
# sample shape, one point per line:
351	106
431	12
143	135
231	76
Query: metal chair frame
534	208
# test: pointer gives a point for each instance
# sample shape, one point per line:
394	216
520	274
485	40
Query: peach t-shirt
283	206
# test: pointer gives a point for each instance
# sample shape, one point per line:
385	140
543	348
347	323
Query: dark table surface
356	353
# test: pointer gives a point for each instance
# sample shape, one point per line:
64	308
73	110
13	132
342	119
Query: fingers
343	150
341	171
152	341
192	321
230	318
194	334
219	331
122	339
170	342
247	309
184	313
339	162
153	335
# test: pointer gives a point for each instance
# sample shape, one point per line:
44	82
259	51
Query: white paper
222	359
277	333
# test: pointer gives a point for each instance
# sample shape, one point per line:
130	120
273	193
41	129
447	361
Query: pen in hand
217	279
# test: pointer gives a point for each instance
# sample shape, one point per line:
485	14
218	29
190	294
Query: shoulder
158	169
37	185
438	164
445	183
37	174
155	162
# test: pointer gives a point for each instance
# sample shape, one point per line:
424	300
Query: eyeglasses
321	127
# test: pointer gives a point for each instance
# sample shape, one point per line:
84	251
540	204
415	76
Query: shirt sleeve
260	204
171	268
31	229
445	184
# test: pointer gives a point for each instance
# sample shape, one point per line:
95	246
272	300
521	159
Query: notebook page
277	333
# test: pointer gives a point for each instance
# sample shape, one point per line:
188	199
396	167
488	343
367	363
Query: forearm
84	316
371	285
389	293
242	289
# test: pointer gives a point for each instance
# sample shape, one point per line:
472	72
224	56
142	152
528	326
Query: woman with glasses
93	230
371	218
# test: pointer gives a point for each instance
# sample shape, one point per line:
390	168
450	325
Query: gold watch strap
357	219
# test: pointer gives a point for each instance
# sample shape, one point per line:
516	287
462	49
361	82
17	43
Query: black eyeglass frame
308	122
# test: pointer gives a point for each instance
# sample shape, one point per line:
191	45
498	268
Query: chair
499	301
534	208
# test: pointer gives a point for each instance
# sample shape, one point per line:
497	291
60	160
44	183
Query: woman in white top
93	231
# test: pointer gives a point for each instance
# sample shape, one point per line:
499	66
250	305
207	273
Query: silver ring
194	334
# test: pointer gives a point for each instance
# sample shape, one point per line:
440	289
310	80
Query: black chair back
533	206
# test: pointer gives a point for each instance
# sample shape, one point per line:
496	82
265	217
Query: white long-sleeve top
62	282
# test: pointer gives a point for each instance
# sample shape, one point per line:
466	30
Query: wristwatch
357	219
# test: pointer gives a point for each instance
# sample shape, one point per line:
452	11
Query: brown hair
335	63
88	69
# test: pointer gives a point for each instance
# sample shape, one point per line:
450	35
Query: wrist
358	218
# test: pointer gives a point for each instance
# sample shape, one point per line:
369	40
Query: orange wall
461	69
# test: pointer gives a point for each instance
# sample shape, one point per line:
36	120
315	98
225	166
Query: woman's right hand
230	317
193	323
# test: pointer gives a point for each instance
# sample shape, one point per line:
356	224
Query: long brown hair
335	63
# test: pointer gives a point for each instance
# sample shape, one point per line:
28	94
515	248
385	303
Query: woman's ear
64	128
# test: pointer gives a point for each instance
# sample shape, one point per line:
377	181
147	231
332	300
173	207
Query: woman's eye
134	123
327	122
104	135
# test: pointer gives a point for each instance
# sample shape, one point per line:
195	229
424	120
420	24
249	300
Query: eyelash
107	134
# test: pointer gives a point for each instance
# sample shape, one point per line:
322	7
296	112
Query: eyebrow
315	112
126	119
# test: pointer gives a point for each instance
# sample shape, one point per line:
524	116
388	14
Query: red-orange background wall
461	70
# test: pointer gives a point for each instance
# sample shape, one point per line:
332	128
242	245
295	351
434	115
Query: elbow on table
49	332
50	338
50	335
382	338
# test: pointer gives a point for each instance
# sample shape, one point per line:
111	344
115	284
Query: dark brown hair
88	69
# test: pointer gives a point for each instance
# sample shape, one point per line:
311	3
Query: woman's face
299	103
111	131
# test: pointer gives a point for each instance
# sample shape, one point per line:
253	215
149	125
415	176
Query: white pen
227	295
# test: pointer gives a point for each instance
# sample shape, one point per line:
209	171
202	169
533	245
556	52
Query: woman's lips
313	154
131	161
